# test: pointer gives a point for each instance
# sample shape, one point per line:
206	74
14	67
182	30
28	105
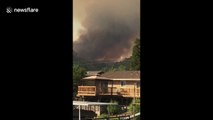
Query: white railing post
79	114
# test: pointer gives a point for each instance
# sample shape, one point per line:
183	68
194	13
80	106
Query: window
89	83
123	83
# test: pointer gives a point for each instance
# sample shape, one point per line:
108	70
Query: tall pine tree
78	74
135	58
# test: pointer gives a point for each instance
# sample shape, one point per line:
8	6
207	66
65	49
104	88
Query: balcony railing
121	91
86	90
130	92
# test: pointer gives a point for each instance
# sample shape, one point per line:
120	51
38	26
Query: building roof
122	75
95	78
94	73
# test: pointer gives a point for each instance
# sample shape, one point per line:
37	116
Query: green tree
104	115
135	58
134	107
122	68
78	74
113	68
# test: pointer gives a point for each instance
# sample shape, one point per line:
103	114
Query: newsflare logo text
19	10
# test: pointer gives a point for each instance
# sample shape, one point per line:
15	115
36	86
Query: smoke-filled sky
105	29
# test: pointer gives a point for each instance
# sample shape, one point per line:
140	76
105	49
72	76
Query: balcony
130	92
118	91
86	91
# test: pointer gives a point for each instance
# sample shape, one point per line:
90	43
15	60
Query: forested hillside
132	63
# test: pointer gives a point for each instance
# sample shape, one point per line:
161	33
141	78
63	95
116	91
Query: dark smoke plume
110	28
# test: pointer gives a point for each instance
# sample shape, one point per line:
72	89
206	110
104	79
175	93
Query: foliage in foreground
113	109
104	115
134	108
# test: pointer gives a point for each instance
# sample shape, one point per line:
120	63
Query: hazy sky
105	29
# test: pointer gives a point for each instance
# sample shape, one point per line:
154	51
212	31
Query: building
100	86
113	83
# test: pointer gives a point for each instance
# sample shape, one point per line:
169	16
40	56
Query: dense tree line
132	63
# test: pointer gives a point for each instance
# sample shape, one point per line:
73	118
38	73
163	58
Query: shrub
103	116
113	109
132	107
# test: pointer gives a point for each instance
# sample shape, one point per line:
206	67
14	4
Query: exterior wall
127	84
